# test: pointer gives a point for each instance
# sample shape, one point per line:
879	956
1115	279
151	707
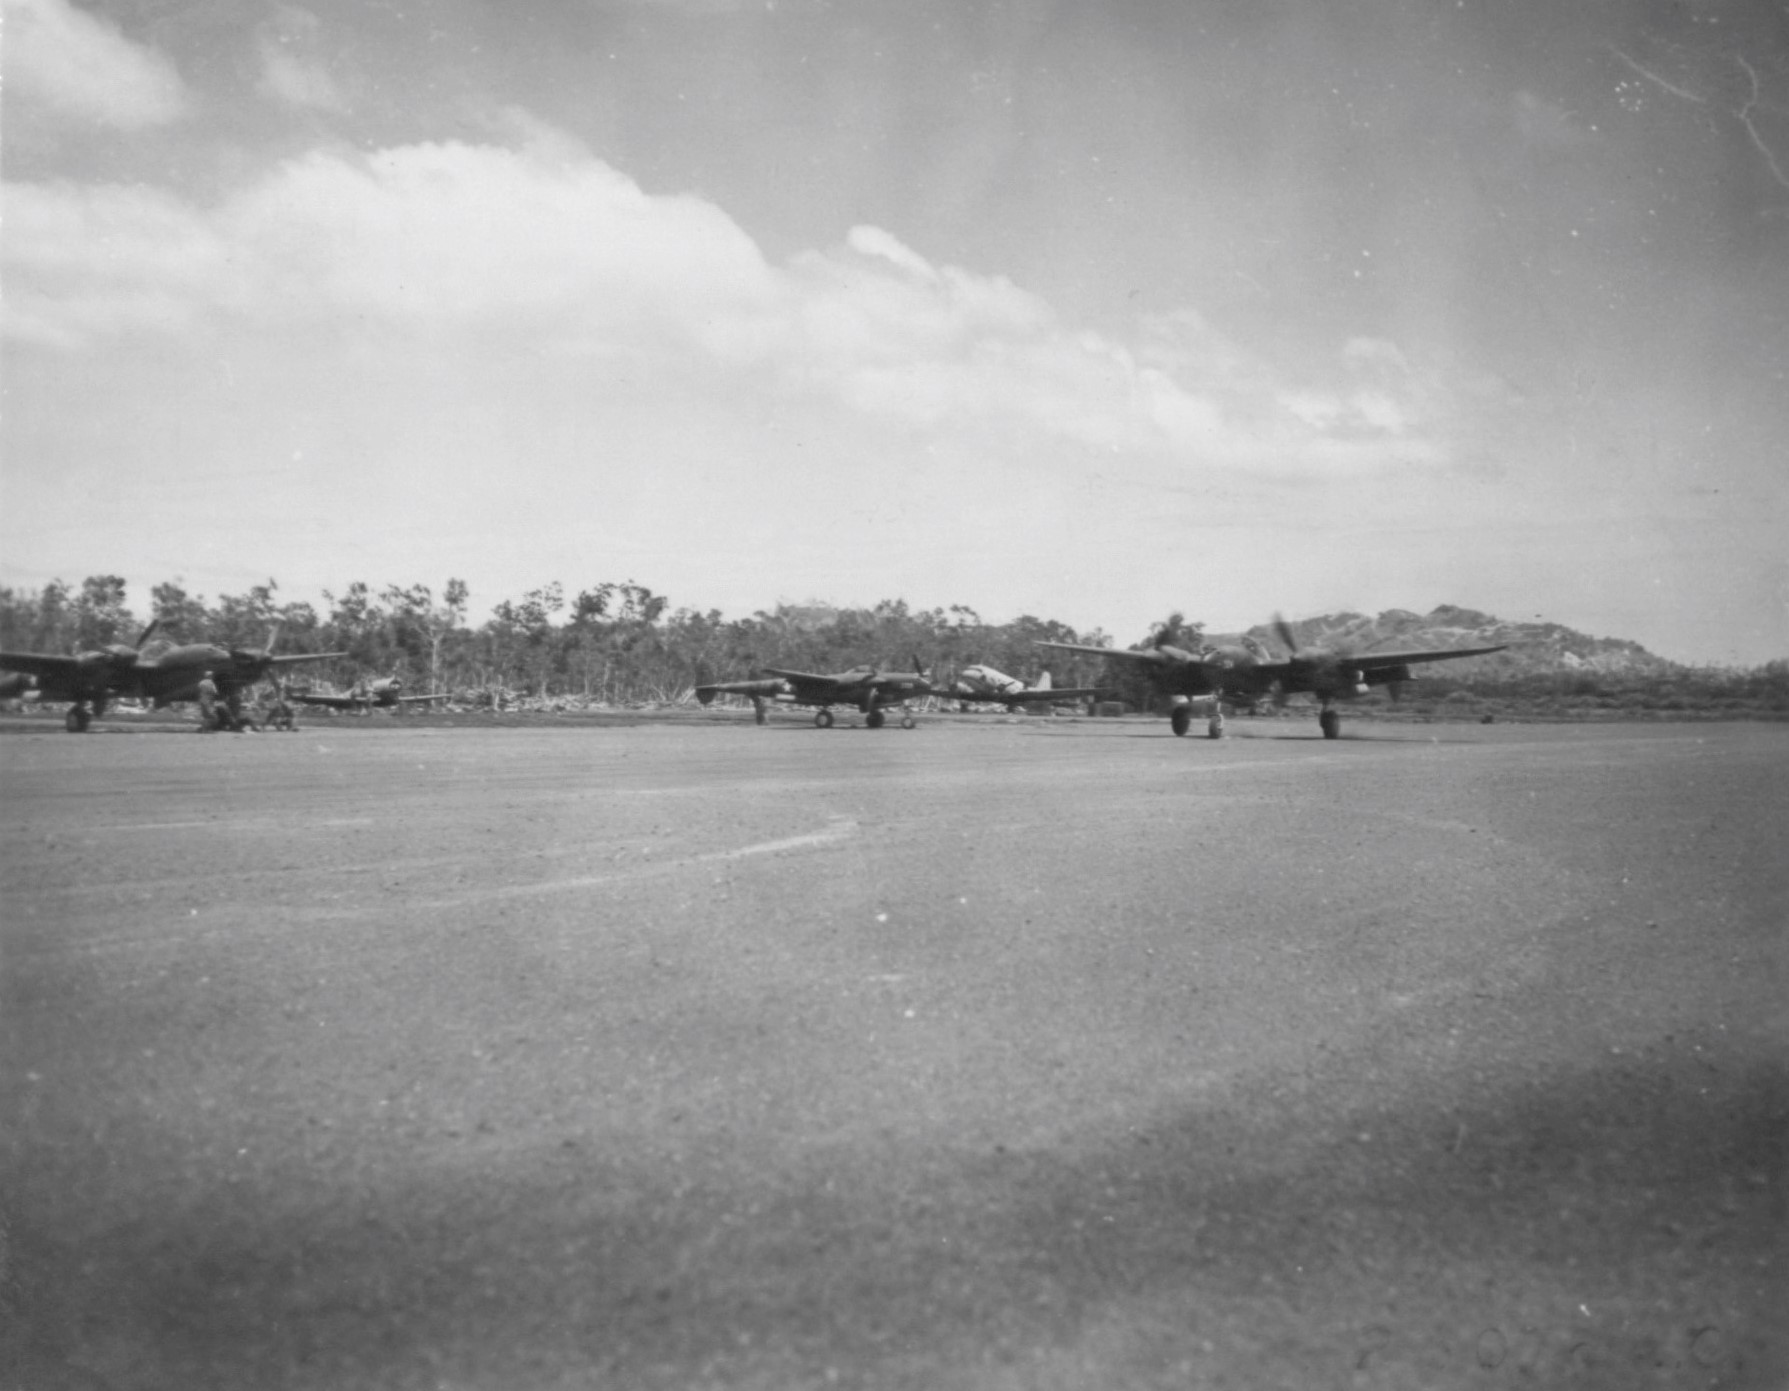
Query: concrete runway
999	1054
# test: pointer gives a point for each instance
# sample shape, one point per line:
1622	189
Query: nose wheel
823	720
77	719
1331	724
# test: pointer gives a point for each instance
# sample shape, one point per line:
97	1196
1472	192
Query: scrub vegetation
622	644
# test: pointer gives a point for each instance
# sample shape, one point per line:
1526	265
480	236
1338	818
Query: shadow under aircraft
866	688
1248	674
92	680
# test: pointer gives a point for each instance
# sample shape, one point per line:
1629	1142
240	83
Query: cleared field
1005	1054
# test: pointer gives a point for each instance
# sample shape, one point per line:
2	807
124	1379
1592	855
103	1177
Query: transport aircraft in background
1248	674
985	685
384	694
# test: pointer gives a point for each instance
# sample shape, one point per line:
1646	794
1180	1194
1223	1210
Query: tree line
611	643
622	644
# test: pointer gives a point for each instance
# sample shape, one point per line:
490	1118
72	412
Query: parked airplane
867	688
984	685
1249	674
383	694
92	680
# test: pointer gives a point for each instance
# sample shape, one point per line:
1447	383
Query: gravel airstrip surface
1006	1053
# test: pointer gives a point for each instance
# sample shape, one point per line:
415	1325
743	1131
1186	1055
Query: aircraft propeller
244	656
116	656
1322	673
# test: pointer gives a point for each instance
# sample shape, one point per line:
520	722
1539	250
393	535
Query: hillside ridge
1534	645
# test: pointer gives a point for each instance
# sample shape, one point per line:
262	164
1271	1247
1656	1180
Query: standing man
213	714
278	714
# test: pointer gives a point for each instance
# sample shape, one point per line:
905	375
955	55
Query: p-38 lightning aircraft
91	680
866	688
1247	675
384	694
984	685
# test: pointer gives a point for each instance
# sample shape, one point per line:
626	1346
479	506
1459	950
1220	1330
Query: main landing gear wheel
77	720
874	719
1181	719
906	722
1331	724
824	719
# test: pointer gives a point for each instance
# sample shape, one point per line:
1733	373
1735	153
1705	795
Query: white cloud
455	238
85	262
1376	357
291	70
82	67
298	81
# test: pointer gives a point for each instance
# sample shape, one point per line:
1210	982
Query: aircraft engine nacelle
16	685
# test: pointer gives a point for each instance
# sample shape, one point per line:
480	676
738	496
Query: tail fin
273	636
1043	682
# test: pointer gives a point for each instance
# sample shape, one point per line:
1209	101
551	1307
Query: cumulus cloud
298	81
80	67
90	262
291	70
456	237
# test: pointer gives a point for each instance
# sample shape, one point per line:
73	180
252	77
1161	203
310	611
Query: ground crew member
279	714
213	713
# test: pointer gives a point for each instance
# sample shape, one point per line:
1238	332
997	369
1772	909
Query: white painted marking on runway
230	823
839	830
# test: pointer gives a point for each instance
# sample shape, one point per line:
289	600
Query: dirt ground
995	1054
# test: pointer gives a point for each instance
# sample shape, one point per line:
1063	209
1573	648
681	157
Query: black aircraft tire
1331	724
906	722
1181	720
76	721
1214	727
824	719
875	719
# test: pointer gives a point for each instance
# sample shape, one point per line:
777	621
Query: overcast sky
1088	311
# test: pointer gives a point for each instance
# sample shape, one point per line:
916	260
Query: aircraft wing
773	687
39	664
1088	647
329	701
290	658
1374	661
1150	656
805	678
1311	673
417	700
1045	697
808	685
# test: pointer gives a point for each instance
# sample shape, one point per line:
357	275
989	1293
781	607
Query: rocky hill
1533	647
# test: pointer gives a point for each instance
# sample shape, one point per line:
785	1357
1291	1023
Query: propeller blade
145	635
1284	630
